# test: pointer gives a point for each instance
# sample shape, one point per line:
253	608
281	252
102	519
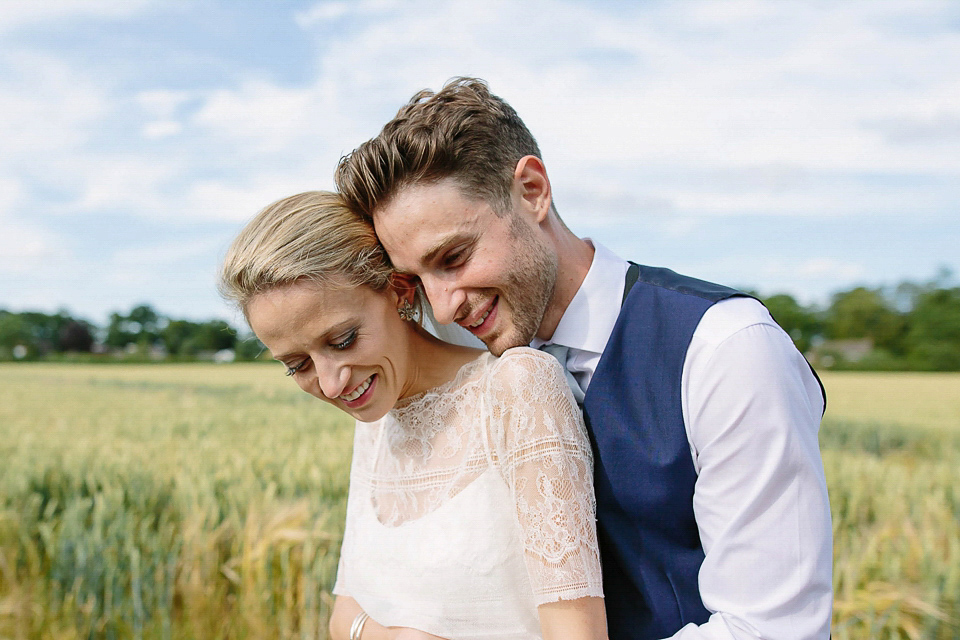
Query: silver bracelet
357	627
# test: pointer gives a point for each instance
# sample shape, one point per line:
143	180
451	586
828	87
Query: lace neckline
417	401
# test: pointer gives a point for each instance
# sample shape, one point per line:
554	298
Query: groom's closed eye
456	253
456	257
450	253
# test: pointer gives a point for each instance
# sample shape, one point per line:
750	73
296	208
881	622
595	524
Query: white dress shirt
751	409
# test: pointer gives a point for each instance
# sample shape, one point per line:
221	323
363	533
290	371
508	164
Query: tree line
141	334
908	327
911	326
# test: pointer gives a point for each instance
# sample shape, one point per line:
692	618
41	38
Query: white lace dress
472	503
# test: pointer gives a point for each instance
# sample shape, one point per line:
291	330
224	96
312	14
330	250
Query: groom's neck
574	257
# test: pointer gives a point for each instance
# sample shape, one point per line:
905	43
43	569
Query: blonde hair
310	236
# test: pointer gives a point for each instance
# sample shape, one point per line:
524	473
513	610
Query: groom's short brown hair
462	132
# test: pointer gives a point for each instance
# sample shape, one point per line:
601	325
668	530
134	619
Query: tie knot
560	352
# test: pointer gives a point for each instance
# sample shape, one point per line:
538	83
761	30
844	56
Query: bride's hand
406	633
345	611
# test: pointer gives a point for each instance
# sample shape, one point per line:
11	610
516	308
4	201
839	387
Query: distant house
157	352
224	355
827	352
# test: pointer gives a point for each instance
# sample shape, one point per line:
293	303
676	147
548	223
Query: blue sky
799	147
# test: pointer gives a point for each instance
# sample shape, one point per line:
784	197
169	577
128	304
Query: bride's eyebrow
331	332
286	356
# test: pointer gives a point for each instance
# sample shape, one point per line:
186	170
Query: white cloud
689	84
11	192
735	108
20	13
623	88
322	13
160	103
162	255
161	129
326	12
26	248
831	267
132	184
730	14
264	115
810	279
47	106
240	202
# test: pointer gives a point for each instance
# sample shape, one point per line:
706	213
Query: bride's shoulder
524	362
520	353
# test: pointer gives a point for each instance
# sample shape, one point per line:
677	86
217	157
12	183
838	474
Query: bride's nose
332	378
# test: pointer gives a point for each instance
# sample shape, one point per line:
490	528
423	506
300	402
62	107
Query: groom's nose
445	299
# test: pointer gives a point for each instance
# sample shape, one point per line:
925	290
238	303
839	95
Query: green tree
141	326
933	339
215	335
43	333
75	335
119	334
866	313
177	338
13	332
185	338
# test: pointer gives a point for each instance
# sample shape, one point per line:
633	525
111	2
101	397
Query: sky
802	147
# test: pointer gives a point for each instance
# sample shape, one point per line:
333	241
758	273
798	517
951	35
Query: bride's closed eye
345	341
340	343
297	367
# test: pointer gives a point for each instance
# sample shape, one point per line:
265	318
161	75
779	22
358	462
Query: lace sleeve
543	452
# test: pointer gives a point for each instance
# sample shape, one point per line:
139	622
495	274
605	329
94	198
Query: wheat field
891	452
205	501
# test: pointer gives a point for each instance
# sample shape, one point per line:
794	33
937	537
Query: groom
711	501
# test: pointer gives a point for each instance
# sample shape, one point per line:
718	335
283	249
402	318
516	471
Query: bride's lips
362	399
488	316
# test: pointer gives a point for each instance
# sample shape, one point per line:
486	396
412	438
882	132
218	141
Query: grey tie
559	352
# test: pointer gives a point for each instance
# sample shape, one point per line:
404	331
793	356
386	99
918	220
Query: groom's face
492	274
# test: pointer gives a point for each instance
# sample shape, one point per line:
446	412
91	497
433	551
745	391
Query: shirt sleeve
543	453
753	407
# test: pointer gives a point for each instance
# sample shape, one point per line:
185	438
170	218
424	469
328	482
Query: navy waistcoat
644	475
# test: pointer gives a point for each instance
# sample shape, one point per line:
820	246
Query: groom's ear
405	285
531	187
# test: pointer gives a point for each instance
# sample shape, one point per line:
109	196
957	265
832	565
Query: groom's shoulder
730	316
662	296
713	312
666	282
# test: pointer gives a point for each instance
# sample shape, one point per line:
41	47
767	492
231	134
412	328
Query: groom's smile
482	321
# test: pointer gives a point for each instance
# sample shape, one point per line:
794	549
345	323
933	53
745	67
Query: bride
470	512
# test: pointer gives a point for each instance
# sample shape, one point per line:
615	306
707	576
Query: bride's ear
405	286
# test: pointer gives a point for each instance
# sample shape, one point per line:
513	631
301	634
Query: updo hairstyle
310	236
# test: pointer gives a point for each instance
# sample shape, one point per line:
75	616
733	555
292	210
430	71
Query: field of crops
205	501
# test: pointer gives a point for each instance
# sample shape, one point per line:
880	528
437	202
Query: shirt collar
590	317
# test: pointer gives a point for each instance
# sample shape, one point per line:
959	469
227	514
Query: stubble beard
529	286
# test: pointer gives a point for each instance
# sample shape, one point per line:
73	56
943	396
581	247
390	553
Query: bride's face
345	345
